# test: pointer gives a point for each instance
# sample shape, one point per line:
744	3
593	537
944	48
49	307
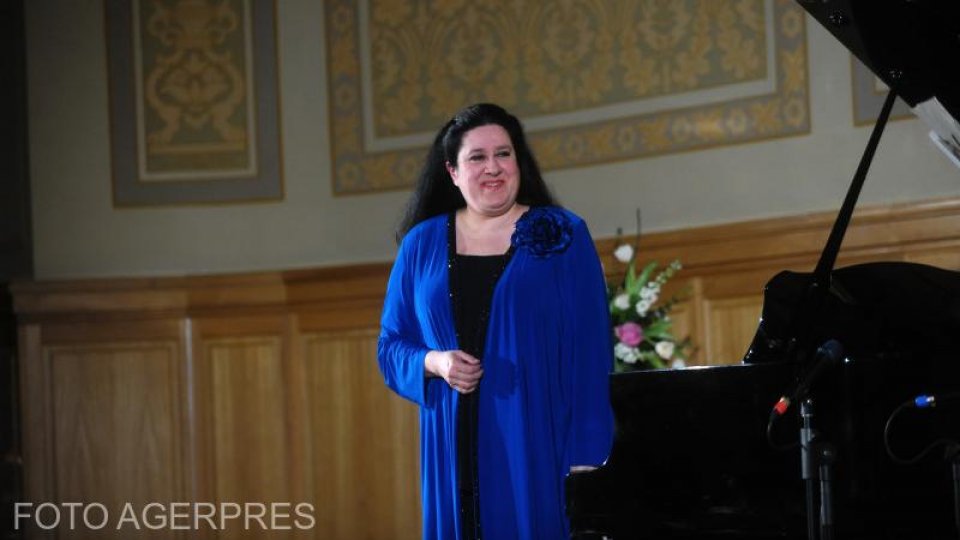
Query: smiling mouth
492	184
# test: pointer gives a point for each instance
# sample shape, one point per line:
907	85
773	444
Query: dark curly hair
435	194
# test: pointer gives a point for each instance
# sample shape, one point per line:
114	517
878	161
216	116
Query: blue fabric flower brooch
543	230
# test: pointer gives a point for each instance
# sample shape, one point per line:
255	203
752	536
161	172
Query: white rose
626	353
623	253
649	296
642	307
622	302
650	292
665	349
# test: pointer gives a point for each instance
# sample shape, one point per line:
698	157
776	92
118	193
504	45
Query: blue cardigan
544	401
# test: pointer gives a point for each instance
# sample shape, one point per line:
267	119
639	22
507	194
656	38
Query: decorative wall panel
193	101
593	80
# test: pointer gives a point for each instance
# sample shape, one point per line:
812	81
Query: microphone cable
919	402
951	452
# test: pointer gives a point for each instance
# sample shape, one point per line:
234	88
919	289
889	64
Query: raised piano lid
911	45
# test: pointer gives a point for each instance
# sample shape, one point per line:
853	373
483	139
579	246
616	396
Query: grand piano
861	353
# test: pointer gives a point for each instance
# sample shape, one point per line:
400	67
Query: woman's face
486	170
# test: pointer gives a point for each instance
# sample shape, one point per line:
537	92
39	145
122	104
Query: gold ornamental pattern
556	62
195	97
428	58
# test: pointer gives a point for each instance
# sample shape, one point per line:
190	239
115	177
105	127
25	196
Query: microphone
923	401
827	354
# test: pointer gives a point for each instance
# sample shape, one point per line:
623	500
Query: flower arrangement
642	328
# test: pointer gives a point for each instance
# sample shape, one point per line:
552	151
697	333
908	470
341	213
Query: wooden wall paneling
102	418
339	298
943	256
687	315
245	441
298	424
116	428
37	432
364	442
103	421
731	324
731	303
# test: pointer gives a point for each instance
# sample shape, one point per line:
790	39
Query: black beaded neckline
452	275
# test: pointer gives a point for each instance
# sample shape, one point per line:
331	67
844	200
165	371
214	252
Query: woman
495	322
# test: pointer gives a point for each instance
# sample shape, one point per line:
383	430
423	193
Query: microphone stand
816	464
953	454
806	465
827	454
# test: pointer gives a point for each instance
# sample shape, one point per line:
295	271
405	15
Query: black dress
473	279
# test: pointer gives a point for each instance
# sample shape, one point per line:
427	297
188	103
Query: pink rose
630	333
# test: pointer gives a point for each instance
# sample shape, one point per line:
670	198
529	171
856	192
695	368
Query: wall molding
796	241
878	232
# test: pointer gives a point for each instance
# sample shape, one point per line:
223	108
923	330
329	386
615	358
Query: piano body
705	469
719	464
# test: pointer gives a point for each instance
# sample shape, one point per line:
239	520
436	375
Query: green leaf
652	359
630	281
657	329
645	275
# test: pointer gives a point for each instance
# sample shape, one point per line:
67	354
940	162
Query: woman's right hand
461	370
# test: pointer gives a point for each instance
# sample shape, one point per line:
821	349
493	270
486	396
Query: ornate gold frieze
594	80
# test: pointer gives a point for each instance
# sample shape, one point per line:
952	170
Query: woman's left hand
461	370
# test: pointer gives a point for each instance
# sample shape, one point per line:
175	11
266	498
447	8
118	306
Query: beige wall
78	233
